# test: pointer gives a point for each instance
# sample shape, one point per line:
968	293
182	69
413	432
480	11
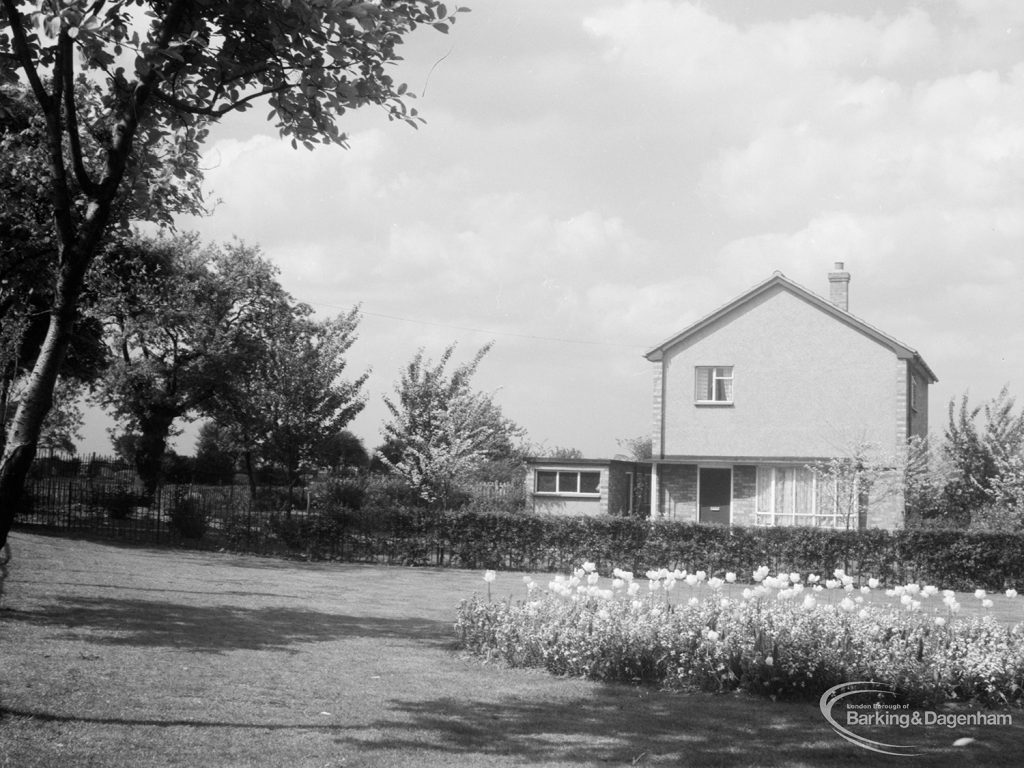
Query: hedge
471	538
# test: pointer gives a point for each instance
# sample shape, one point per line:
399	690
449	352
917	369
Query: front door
715	495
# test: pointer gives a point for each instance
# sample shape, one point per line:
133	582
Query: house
766	412
588	487
751	399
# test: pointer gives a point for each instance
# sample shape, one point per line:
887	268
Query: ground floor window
801	496
571	482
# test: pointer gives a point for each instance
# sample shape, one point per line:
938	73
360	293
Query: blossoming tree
441	429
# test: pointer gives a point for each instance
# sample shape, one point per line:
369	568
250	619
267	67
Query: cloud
596	175
827	109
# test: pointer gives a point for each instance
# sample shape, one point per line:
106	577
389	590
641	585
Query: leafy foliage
387	525
180	320
974	478
863	476
217	454
24	247
283	403
340	450
440	428
563	452
188	517
126	91
638	448
26	272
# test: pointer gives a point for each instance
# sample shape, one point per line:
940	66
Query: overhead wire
470	329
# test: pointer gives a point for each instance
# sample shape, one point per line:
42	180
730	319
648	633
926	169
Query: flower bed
787	636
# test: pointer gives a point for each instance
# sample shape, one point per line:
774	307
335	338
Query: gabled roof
778	279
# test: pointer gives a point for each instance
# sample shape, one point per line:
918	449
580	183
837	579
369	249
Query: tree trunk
23	434
5	395
250	472
149	451
77	244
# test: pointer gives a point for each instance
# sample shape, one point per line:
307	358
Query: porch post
655	507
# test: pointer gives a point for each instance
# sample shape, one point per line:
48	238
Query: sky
595	176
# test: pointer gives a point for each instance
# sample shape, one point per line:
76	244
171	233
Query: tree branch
23	54
71	115
216	113
123	135
60	194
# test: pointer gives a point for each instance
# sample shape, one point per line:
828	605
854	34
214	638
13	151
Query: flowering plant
786	636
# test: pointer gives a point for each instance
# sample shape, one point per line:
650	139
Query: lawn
128	656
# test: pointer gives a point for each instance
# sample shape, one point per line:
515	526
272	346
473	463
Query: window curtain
724	388
703	389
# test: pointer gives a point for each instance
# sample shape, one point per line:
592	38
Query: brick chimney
839	287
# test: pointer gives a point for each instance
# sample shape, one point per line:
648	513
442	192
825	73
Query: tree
181	321
62	427
25	267
971	462
339	450
63	424
22	248
1006	495
441	429
640	448
289	396
148	99
848	483
978	457
562	452
924	477
216	454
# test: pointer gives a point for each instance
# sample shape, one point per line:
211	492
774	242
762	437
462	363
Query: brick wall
744	495
885	506
902	403
657	446
678	491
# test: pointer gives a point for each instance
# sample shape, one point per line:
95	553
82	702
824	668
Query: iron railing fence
103	496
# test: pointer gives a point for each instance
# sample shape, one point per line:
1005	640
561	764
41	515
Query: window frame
716	374
558	474
823	503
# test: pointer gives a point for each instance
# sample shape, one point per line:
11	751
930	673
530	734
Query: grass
124	656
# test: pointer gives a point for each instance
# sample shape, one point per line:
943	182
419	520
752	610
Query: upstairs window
714	384
568	482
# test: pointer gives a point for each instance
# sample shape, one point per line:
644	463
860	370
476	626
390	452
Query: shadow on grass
48	717
616	725
220	628
131	588
627	726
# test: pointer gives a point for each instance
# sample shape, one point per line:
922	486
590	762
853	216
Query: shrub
484	534
119	500
276	498
188	517
340	493
384	491
177	469
483	504
29	503
319	535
